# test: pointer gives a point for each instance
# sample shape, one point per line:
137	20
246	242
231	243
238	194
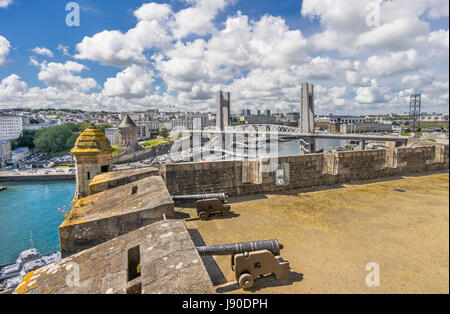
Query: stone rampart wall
241	178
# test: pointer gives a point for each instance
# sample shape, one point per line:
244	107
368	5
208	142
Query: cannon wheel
246	281
203	215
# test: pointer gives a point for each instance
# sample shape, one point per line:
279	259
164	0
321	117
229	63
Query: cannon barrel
231	249
199	197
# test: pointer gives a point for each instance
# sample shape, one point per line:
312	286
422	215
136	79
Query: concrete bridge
307	140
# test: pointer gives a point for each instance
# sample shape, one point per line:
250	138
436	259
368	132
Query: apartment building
10	127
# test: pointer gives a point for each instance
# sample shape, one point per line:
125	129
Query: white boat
29	260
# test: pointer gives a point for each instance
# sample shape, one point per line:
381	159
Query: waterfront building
293	116
93	156
10	127
259	119
246	112
340	119
5	152
5	149
20	153
365	127
267	113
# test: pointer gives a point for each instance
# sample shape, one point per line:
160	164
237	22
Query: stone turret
128	131
93	156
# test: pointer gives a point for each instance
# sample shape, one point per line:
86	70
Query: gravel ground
330	235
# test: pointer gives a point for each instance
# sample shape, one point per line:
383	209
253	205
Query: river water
31	208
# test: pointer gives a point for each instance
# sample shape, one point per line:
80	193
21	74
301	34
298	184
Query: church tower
93	156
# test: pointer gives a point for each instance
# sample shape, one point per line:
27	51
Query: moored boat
29	260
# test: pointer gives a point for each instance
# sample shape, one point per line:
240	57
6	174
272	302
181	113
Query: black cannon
251	260
185	198
230	249
207	204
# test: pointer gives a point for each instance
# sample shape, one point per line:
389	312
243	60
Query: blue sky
42	23
270	44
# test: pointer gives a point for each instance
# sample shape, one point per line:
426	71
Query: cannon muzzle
231	249
222	197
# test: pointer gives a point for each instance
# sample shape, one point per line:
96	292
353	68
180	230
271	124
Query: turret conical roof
92	140
127	122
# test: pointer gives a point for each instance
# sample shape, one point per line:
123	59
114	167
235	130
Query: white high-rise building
112	134
10	127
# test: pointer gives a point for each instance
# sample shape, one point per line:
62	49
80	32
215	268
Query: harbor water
31	209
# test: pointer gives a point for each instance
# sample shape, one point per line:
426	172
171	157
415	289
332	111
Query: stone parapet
110	180
240	178
111	213
163	252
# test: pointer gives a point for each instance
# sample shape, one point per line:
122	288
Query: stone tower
128	131
93	155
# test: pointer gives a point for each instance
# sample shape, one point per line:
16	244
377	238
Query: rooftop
127	122
109	180
148	193
169	263
92	140
331	234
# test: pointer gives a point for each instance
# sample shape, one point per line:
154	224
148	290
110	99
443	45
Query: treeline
54	139
74	111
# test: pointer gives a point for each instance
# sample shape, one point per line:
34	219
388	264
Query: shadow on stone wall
214	272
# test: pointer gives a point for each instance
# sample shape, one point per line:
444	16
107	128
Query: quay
26	178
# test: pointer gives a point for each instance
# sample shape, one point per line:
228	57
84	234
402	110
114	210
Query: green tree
164	133
71	140
54	139
103	127
83	126
27	139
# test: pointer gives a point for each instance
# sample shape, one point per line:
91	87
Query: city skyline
143	55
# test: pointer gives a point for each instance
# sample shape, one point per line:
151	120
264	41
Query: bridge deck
306	135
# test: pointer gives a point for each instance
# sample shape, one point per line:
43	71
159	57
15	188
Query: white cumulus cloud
43	51
395	63
4	49
134	81
63	76
12	86
5	3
